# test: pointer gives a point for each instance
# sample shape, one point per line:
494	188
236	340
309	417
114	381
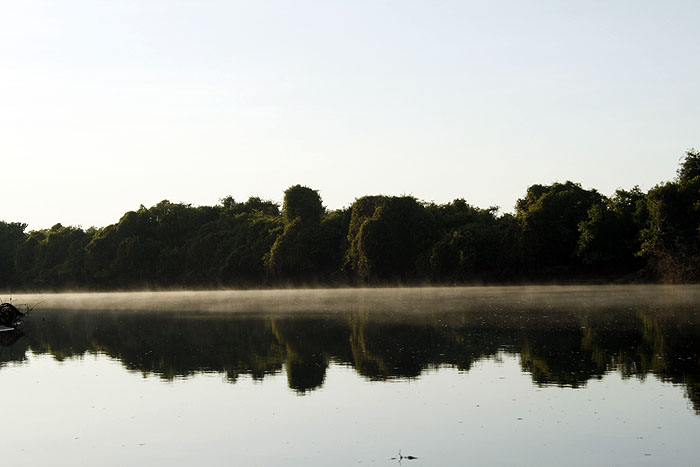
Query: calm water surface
456	376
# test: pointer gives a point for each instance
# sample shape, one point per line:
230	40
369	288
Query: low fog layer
403	300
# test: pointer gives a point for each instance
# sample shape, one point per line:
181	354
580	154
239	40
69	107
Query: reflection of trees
568	349
165	344
309	346
12	349
562	347
673	341
390	347
557	357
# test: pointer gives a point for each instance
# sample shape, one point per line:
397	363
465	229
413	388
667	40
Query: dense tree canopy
549	218
559	232
11	237
609	236
389	238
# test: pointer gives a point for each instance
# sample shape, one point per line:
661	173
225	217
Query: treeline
558	232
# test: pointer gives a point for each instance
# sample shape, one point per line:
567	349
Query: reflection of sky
91	411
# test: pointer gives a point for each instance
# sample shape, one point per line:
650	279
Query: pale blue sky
106	105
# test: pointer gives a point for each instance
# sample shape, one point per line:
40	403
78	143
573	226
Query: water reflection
560	340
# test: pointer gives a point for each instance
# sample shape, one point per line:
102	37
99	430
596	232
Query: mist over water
565	370
404	300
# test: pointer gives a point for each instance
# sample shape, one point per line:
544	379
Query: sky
108	105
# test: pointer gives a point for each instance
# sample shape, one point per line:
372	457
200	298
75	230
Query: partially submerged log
10	316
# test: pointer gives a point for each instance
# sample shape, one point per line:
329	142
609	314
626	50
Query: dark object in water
10	316
400	458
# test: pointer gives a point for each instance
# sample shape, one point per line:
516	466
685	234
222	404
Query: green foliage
690	167
477	249
148	246
610	235
310	247
177	244
333	243
101	255
234	248
253	205
303	203
671	239
295	254
53	257
389	238
11	237
230	250
559	231
549	217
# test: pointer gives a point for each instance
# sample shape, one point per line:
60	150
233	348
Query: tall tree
671	239
390	238
297	254
473	243
549	216
609	236
11	237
